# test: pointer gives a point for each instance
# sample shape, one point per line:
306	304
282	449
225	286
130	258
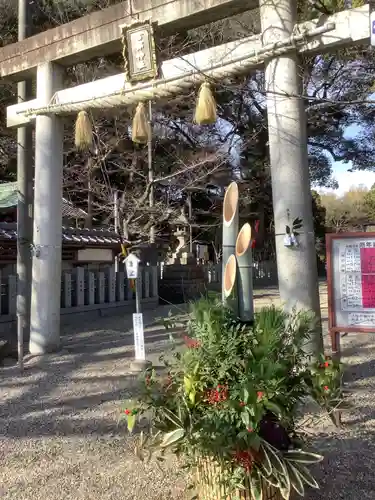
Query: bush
232	395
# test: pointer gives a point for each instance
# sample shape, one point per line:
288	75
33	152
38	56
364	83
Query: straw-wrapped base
208	486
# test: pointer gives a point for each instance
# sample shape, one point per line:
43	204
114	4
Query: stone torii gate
277	48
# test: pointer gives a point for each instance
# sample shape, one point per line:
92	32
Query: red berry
249	429
245	459
242	403
191	343
326	364
127	412
260	394
326	388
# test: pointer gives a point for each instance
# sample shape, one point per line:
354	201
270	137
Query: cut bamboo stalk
230	226
229	284
245	274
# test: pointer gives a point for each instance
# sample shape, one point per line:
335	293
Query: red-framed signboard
351	284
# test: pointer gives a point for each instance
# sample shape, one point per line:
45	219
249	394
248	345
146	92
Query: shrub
232	396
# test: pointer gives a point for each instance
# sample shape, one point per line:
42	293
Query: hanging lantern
141	128
205	112
83	132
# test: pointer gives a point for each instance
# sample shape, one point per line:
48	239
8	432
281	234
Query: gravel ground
60	440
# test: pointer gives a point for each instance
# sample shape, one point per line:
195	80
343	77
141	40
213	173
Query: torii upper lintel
99	33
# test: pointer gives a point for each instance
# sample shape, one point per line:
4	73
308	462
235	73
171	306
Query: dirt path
59	438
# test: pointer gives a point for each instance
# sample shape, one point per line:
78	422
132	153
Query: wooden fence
100	292
181	283
264	275
83	290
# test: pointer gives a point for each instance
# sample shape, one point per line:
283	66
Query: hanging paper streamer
294	240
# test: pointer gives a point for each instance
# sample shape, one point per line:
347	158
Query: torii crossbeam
341	29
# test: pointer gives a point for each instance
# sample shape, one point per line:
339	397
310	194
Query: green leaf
254	441
273	407
275	460
297	223
172	417
251	410
295	480
285	493
284	484
172	437
256	485
245	418
303	457
280	469
306	476
272	480
188	383
192	395
131	422
245	395
266	462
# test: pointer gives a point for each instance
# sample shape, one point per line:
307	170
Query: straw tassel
205	112
141	128
83	132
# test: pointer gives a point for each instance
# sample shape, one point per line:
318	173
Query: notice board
351	284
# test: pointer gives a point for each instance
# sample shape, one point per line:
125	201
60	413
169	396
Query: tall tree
335	90
346	212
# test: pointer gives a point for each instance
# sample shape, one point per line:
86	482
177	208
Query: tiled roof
8	199
71	235
90	236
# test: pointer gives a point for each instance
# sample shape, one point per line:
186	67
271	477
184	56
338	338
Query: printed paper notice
139	341
357	275
353	281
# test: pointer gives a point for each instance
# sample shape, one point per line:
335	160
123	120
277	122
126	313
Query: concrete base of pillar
139	365
38	349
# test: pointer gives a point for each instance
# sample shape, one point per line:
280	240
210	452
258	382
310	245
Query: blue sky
347	179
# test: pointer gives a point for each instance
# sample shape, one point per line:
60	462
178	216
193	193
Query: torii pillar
46	267
297	267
